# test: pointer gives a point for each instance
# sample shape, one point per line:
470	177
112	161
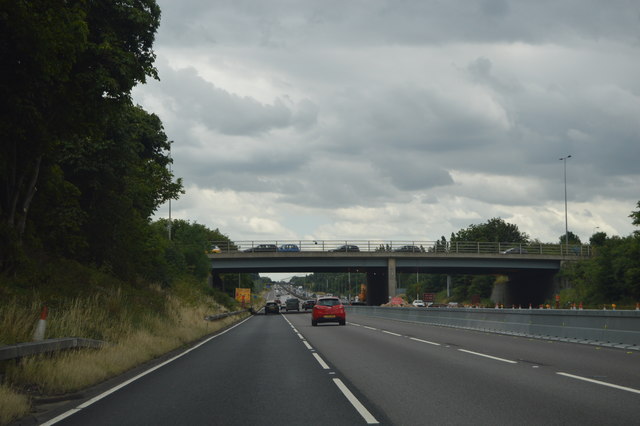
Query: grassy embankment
139	323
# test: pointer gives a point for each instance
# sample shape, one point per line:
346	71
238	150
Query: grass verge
13	405
136	332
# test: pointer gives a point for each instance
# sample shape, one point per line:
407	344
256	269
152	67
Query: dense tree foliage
635	216
495	230
572	238
68	69
612	275
83	169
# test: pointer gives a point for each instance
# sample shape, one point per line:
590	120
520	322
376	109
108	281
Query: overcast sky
400	120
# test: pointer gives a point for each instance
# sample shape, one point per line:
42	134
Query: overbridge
530	267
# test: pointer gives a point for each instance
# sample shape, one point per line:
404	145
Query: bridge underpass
531	277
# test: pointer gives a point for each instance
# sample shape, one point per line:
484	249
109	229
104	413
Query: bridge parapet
400	247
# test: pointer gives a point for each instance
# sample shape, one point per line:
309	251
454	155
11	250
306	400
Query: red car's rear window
329	302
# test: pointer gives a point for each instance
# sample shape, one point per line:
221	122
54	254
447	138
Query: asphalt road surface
279	370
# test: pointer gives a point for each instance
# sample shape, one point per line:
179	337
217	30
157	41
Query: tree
635	216
573	238
613	273
69	64
495	230
106	188
597	239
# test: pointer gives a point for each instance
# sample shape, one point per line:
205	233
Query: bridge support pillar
392	281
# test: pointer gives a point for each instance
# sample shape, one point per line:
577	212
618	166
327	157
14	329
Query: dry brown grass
134	338
13	405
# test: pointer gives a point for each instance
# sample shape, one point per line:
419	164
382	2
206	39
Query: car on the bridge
292	304
515	250
328	309
262	247
345	248
289	248
408	249
271	307
308	304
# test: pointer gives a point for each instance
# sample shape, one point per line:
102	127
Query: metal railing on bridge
415	247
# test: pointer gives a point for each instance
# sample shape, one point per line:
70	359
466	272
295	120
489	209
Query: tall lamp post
169	223
566	220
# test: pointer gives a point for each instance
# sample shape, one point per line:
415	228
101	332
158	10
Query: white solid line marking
353	323
370	328
392	333
366	415
488	356
424	341
598	382
321	361
300	336
123	384
307	345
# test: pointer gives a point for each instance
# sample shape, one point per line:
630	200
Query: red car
328	309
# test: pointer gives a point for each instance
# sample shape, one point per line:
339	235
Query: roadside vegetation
83	171
137	322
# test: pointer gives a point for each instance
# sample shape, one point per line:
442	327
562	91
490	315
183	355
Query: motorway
278	369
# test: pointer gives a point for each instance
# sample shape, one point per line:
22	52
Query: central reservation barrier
605	328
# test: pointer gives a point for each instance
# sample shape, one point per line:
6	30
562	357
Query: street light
566	220
170	171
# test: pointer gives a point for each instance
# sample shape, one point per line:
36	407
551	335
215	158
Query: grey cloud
197	100
528	82
219	110
279	24
410	171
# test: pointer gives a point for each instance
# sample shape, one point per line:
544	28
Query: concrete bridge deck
531	268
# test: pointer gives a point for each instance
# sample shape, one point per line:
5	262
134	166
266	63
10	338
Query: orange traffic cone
38	335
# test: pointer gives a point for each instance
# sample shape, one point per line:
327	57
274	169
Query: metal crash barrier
606	328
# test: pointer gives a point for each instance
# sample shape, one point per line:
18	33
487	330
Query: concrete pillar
448	285
392	282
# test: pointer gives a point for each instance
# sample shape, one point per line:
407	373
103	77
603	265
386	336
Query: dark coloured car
408	249
262	248
292	304
308	304
346	248
289	248
271	308
328	309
